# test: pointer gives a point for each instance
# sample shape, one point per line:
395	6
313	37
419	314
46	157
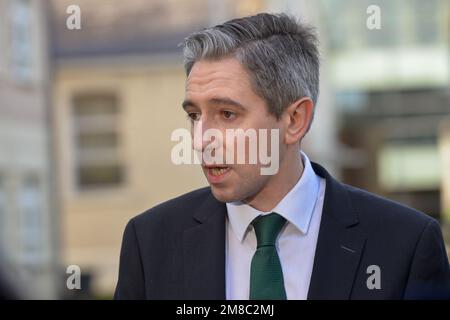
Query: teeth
218	171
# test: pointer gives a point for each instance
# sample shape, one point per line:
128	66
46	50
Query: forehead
219	75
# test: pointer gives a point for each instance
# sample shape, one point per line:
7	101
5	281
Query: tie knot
267	228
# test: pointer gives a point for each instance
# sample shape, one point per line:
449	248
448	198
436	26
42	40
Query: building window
30	204
21	39
96	132
392	22
339	21
427	29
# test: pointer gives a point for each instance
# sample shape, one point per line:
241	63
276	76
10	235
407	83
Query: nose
198	143
206	137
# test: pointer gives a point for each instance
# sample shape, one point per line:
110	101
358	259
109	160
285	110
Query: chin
223	196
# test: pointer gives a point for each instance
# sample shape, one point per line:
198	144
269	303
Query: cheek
247	175
249	181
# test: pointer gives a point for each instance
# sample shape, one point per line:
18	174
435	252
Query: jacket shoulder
180	208
373	209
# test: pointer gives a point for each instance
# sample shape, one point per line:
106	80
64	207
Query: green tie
266	276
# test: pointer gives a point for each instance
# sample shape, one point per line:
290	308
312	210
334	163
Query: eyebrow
218	101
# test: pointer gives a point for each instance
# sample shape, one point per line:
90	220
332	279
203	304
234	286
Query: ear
297	118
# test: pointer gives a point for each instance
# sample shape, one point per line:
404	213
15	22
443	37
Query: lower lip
218	178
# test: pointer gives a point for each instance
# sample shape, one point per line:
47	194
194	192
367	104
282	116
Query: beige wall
150	103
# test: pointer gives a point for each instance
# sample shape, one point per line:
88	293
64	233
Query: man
294	234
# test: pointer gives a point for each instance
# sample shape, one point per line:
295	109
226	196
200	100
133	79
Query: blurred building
118	88
392	90
28	220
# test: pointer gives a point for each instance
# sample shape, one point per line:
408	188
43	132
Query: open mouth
218	171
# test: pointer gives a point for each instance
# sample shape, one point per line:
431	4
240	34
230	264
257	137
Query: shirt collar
296	207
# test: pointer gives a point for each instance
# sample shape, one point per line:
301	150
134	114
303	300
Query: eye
194	116
228	114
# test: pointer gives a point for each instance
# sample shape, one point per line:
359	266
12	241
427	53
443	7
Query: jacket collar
204	252
340	243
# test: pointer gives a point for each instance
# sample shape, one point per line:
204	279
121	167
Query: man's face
219	96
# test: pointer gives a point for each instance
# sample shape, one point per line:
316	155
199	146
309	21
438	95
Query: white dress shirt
296	244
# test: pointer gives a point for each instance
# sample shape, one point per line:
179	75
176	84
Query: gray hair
279	52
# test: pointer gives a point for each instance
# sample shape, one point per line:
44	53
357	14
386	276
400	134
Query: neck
278	186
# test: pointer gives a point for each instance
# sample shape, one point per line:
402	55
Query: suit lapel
204	252
340	244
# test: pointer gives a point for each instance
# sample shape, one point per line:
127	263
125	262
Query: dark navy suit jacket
176	250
